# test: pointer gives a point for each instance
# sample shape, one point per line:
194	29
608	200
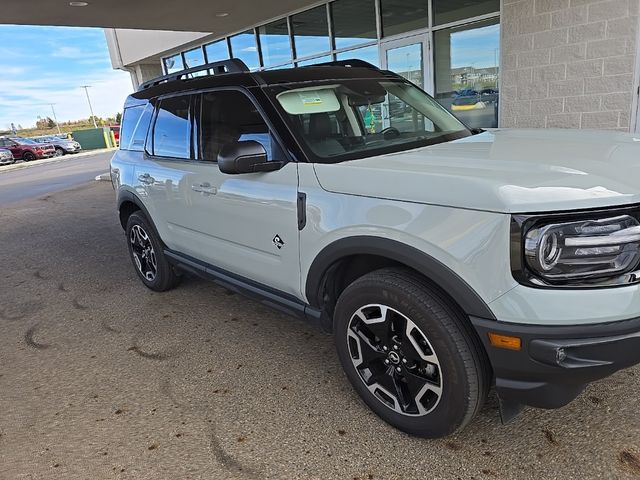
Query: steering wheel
390	132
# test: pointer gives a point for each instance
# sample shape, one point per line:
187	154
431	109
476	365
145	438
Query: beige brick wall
568	63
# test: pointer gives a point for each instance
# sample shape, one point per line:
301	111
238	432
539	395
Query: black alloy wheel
410	353
147	254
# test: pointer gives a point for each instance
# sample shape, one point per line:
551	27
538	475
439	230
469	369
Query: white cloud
21	102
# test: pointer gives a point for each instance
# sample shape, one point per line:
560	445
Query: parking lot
102	378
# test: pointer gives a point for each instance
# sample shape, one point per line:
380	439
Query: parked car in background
62	146
489	95
26	149
116	132
467	100
6	157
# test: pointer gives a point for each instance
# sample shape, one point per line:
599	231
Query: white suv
444	260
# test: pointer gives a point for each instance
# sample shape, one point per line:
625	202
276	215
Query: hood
508	171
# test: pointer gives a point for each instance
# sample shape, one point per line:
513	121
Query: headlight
579	250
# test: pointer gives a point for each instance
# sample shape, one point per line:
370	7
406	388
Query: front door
244	223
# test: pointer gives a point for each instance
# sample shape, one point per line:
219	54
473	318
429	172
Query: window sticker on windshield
309	100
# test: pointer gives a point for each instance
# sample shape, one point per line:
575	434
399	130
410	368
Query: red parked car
27	150
116	132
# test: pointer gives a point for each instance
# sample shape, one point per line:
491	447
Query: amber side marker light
505	341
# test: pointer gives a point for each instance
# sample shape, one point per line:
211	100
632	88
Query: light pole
55	119
93	117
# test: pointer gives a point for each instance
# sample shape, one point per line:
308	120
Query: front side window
229	116
171	132
350	119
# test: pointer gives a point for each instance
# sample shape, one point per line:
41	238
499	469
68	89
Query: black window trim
195	145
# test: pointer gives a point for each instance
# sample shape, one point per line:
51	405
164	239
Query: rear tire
28	157
410	354
147	255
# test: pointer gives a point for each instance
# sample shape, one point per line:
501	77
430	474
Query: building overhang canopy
217	16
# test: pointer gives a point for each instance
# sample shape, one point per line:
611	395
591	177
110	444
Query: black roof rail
233	65
354	62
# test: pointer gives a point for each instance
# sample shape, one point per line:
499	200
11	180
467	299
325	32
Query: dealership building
509	63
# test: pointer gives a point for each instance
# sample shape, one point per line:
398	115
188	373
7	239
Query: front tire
147	255
59	152
28	157
410	354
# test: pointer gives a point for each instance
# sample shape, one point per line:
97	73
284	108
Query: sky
43	65
479	47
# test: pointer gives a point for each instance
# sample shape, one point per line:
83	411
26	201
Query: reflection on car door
159	176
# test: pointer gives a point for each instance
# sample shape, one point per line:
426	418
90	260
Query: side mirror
245	157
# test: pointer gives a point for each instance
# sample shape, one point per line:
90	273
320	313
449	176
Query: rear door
159	176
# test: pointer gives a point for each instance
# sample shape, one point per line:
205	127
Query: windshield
348	119
24	141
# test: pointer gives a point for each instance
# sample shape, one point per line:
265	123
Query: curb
48	161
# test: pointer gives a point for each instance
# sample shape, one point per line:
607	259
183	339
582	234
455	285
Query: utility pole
93	117
55	119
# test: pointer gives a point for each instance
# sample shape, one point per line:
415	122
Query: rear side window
171	132
135	124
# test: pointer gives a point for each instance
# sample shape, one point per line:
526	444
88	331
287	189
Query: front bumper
555	363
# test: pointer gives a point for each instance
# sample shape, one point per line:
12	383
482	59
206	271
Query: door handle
205	188
146	179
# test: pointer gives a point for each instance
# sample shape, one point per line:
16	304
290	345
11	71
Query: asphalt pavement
40	178
101	378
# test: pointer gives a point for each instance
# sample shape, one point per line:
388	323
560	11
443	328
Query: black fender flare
128	196
449	281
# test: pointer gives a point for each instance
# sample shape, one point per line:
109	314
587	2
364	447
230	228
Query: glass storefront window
280	67
408	62
173	64
368	54
400	16
243	46
311	32
314	61
467	71
354	22
446	11
193	58
274	42
217	51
